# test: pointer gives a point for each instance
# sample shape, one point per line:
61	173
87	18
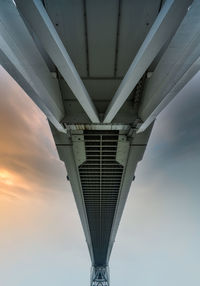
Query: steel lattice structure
100	276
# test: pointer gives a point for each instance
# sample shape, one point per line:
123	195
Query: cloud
42	241
28	157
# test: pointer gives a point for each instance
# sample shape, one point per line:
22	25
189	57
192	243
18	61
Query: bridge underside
101	71
101	159
100	176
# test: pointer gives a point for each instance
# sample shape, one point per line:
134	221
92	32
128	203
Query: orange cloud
6	177
29	164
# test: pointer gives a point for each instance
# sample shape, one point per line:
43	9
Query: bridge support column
100	276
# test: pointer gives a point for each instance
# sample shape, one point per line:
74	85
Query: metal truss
100	276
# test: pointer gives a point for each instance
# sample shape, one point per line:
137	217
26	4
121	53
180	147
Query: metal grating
101	178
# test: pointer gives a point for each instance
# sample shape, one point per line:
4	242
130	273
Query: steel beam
20	57
38	19
178	65
163	28
66	154
136	151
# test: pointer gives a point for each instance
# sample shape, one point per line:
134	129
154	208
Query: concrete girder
178	65
162	30
36	15
20	57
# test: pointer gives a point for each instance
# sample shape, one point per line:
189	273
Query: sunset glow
6	177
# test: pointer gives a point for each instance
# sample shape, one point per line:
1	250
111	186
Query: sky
41	238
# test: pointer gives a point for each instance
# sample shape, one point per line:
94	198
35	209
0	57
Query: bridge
101	71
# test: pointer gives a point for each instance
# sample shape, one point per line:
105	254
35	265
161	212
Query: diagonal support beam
178	65
36	15
163	28
22	60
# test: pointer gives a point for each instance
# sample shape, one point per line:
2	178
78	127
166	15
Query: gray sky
42	242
